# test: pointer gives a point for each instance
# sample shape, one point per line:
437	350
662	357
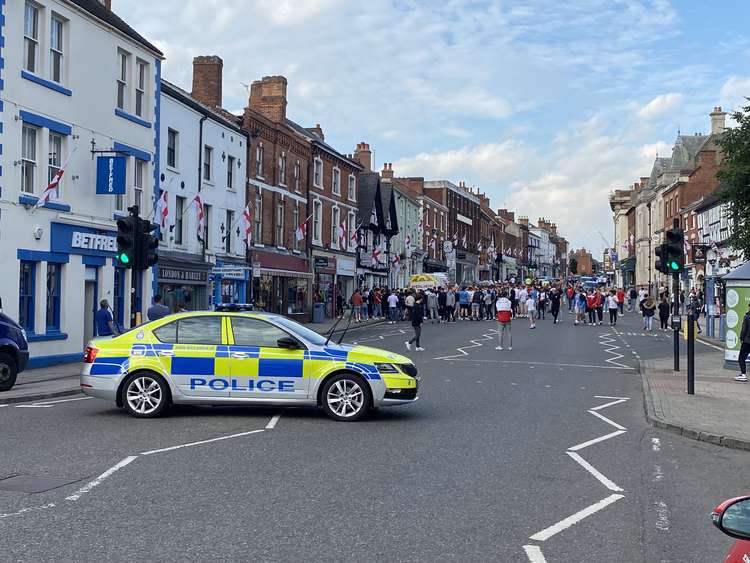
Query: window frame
279	220
141	89
336	181
230	172
229	220
335	220
297	169
295	216
208	157
179	223
318	173
27	301
258	219
317	220
206	225
31	39
54	167
138	181
53	298
173	137
351	227
259	156
123	78
351	188
29	162
58	50
282	169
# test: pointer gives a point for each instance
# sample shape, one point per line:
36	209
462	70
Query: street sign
699	253
110	175
676	322
256	269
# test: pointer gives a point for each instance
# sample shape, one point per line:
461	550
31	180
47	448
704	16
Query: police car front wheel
144	395
346	397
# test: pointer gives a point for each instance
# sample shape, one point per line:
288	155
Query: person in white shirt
392	308
612	306
530	310
504	316
522	296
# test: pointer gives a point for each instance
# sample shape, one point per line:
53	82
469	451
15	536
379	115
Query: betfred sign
91	241
75	239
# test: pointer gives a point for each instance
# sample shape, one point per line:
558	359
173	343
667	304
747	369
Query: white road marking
608	397
272	423
201	442
617	402
34	406
64	401
583	445
457	359
595	472
534	553
714	346
655	444
566	523
658	473
28	509
662	516
86	488
1	406
608	421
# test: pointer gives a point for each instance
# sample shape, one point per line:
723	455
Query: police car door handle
240	355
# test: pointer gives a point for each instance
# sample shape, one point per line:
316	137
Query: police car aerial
242	358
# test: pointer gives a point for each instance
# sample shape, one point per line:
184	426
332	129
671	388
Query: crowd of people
504	302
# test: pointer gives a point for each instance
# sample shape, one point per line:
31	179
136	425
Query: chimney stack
523	221
718	121
317	131
268	98
387	172
207	71
363	155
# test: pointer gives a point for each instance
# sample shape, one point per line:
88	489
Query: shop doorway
91	290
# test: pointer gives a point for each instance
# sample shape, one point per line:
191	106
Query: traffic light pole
135	272
675	311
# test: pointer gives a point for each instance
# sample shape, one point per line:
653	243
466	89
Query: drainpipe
200	173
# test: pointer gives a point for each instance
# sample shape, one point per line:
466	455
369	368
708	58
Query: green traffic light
124	258
674	265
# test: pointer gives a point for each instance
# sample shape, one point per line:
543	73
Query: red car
733	518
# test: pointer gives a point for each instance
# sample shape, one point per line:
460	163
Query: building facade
203	177
60	262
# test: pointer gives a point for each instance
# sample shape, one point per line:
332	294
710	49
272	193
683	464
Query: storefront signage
321	262
231	272
72	239
463	219
110	175
177	274
699	253
345	267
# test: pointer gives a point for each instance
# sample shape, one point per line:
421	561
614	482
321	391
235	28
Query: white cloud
660	105
734	92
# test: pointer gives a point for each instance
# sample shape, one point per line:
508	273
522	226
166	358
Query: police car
242	358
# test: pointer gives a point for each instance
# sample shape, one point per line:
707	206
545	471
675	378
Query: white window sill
336	193
208	183
232	190
172	170
295	251
261	178
282	185
259	245
318	186
280	247
297	191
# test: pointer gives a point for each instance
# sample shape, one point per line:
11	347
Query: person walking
632	296
504	318
463	302
531	310
377	304
620	294
601	298
580	307
554	298
489	299
542	304
591	307
744	346
513	300
450	306
157	310
432	306
393	308
648	308
570	294
663	313
477	299
417	318
409	305
612	307
356	301
441	298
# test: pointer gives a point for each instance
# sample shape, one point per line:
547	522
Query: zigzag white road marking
488	336
607	340
534	553
379	337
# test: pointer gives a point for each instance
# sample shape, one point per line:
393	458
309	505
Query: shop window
199	330
296	295
252	332
54	272
26	295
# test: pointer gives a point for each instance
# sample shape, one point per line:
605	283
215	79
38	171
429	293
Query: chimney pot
268	97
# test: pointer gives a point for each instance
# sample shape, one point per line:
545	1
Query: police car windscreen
304	332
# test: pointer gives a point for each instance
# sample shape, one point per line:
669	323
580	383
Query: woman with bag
648	308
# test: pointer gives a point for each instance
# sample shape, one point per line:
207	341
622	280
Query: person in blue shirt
103	320
463	301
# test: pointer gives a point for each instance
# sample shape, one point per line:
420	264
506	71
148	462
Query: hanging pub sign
110	175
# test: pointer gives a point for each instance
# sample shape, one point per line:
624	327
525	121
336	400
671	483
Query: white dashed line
29	509
662	516
655	444
566	523
583	445
201	442
534	553
272	423
86	488
595	472
64	401
658	473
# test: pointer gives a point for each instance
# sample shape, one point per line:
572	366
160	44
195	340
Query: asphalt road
496	462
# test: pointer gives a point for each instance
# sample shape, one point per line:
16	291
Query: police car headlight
386	368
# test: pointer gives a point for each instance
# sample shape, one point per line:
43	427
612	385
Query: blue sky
546	106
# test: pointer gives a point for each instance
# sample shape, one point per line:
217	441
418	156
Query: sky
545	106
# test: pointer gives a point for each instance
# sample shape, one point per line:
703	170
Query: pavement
715	413
62	380
538	454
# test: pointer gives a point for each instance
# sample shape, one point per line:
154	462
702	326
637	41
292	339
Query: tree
573	265
734	176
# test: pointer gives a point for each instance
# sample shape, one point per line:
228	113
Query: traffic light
675	250
126	241
148	246
661	259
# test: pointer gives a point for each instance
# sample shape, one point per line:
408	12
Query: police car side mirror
287	342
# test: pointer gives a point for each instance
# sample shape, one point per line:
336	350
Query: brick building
585	262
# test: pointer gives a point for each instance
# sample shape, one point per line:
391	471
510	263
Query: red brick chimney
507	215
387	172
268	97
363	155
207	72
523	221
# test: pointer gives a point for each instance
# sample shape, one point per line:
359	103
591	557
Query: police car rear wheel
144	395
7	372
346	397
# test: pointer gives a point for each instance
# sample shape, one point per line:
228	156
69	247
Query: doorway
89	303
